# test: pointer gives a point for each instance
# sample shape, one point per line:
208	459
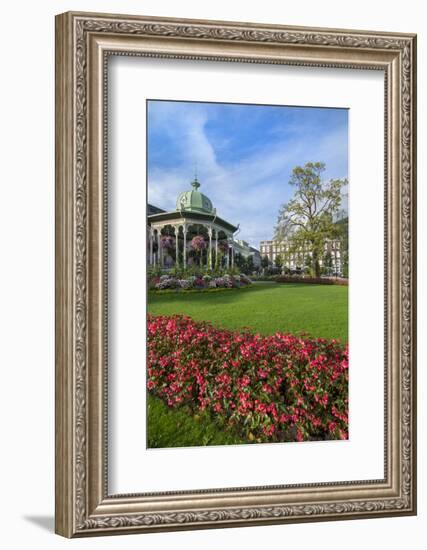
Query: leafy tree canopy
308	219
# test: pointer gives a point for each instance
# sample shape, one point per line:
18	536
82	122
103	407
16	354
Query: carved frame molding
83	43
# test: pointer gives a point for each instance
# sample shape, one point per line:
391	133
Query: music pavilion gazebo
171	233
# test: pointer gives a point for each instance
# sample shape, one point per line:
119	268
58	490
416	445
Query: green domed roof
194	201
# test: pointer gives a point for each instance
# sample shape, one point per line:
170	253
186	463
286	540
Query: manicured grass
265	307
176	428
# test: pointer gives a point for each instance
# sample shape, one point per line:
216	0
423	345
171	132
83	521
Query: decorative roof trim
187	214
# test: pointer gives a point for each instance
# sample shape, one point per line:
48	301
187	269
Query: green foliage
232	271
272	271
263	277
327	263
154	271
308	266
265	262
345	264
278	262
308	218
245	265
296	279
250	266
240	261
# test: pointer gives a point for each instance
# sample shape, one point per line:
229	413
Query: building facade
297	260
246	250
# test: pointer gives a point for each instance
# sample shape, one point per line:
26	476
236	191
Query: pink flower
263	385
166	241
332	426
198	243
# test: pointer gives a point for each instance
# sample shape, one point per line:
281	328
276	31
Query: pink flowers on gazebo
198	243
167	241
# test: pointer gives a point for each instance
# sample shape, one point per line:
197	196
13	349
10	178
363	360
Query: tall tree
250	266
240	261
327	263
265	262
278	262
307	220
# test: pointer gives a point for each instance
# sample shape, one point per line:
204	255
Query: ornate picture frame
84	42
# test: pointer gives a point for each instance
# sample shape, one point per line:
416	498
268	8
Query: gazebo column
176	230
184	252
157	253
159	249
151	245
210	247
228	253
232	254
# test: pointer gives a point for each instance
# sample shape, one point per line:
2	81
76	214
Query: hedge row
312	280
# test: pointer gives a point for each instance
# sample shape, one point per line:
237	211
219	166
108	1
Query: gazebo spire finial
195	183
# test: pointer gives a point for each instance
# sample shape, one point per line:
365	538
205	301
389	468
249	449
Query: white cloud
248	191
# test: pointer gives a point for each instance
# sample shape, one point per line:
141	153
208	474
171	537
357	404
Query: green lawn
319	310
177	428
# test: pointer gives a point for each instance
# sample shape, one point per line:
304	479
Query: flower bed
270	388
194	282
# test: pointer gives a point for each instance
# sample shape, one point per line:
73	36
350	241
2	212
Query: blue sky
244	156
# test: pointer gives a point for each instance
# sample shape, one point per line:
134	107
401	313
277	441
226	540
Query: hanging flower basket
198	243
166	241
223	246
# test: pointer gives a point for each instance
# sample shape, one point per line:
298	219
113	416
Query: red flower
277	388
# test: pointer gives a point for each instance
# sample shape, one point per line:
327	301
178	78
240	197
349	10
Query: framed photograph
235	274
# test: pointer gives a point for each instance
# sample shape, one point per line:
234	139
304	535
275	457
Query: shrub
262	277
198	282
311	280
245	279
186	284
153	271
165	283
272	388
